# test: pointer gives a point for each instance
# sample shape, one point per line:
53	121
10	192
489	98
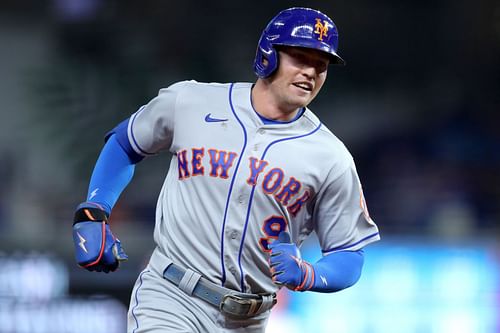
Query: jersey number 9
272	227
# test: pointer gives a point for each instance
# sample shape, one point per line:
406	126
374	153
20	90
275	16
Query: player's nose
309	72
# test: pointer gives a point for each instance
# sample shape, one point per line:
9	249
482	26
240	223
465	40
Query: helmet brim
335	59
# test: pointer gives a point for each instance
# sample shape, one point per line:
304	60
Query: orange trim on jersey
288	191
258	168
198	168
227	159
294	208
363	206
269	237
182	165
276	184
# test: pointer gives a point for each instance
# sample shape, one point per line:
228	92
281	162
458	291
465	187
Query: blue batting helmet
300	27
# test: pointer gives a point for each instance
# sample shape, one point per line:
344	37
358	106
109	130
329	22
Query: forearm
333	272
112	173
336	271
96	248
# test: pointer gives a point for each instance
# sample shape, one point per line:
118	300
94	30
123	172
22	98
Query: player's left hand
96	248
287	267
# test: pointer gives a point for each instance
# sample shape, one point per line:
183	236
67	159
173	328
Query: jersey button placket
259	142
241	198
232	234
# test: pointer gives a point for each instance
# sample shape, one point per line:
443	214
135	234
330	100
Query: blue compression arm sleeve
112	173
337	271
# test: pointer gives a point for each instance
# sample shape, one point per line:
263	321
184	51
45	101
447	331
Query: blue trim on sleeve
113	171
121	135
132	120
337	271
345	247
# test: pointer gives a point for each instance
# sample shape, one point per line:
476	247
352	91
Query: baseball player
253	173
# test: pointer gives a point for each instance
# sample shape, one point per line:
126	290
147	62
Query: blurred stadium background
418	106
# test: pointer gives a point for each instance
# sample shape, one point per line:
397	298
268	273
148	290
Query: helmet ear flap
266	59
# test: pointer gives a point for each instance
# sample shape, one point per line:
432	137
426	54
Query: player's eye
321	66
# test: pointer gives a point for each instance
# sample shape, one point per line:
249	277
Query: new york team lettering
198	169
218	164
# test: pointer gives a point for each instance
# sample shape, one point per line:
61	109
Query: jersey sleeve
341	217
151	129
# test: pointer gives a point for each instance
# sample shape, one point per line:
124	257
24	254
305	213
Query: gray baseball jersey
235	182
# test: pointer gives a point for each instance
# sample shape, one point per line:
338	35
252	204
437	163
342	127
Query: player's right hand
96	249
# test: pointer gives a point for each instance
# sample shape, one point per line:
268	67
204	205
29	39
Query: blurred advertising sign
34	299
410	286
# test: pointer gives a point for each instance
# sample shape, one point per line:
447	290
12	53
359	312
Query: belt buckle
232	310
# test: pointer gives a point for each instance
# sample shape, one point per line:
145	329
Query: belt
230	302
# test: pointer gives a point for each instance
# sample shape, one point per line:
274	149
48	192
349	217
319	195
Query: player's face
300	76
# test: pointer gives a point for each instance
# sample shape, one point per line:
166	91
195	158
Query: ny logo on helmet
321	28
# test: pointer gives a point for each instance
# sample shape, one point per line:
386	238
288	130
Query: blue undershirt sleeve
337	271
112	173
121	136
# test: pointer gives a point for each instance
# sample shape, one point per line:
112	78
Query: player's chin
300	101
302	98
